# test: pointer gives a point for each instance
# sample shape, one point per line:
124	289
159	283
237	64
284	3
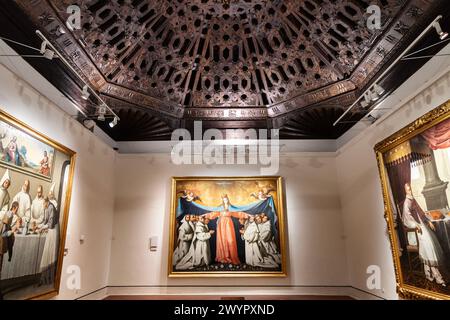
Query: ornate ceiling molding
266	61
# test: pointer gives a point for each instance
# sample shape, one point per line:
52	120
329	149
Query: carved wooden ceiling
293	65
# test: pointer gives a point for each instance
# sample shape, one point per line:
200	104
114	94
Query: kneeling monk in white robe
255	254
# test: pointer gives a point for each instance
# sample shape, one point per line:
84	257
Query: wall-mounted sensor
153	243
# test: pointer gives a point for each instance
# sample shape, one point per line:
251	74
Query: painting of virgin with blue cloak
225	225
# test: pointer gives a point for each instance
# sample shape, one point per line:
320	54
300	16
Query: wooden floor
210	297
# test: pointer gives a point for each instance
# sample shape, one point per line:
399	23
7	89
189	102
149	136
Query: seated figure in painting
6	241
430	251
45	165
226	244
185	236
267	237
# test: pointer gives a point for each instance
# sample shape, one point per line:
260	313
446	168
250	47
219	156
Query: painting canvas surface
20	151
227	226
33	211
415	173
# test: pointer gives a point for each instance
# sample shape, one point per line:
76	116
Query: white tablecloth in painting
26	259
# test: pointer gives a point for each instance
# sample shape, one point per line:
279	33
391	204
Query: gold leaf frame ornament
382	148
54	291
276	182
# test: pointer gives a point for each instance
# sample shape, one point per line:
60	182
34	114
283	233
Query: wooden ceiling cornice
266	61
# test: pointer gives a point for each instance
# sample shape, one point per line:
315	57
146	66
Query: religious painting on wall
414	166
35	188
227	226
19	151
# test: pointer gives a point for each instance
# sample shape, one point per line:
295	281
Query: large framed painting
414	166
35	188
227	226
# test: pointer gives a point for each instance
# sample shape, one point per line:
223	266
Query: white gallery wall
92	204
316	252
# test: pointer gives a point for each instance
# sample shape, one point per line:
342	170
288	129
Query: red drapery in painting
438	137
399	174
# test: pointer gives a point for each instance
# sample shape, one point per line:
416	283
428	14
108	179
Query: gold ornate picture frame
414	168
227	227
34	210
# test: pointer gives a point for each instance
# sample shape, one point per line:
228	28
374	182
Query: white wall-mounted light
46	52
442	35
113	123
378	89
85	94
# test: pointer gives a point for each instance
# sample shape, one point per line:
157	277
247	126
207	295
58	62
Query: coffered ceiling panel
293	65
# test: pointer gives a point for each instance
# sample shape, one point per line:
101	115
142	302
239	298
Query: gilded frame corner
230	274
65	211
416	127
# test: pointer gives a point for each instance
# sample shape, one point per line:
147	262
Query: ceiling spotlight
378	89
367	97
374	95
364	104
85	94
101	111
47	53
442	34
113	123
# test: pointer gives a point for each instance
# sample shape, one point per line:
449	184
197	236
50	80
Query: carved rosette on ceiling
236	60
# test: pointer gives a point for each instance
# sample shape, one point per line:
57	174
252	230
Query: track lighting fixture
364	104
85	94
101	111
374	96
378	89
442	35
367	97
113	123
46	52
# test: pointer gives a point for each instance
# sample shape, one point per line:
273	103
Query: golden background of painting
239	192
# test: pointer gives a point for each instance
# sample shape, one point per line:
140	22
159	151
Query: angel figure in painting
262	194
226	243
430	251
190	196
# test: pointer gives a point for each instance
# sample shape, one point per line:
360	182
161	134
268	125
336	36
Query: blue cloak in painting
266	206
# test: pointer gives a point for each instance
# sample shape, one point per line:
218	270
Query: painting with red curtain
418	174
